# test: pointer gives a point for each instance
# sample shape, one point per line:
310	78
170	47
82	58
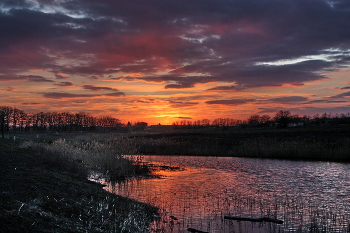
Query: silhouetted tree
283	117
254	120
7	112
2	122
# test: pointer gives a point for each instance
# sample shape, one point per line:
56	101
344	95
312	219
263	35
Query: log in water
196	231
264	219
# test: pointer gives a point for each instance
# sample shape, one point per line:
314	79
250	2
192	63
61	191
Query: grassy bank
112	155
42	191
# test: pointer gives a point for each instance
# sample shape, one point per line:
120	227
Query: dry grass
115	157
42	192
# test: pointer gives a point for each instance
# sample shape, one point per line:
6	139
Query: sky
162	61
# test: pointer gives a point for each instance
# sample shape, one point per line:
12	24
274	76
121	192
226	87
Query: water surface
307	196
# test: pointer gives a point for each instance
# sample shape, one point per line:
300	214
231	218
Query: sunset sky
162	61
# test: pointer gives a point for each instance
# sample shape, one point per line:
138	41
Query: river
307	196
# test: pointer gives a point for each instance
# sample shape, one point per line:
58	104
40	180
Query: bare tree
2	122
283	118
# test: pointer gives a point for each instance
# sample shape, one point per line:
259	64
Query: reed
40	194
115	157
259	147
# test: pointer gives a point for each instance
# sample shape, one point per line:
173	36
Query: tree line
281	119
15	119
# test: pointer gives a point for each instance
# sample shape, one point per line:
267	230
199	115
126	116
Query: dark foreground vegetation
330	143
42	191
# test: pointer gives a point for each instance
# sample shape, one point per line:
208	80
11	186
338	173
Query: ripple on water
306	195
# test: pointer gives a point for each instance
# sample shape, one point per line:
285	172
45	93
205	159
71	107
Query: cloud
180	85
64	84
342	95
288	99
115	94
59	76
36	78
29	78
31	103
185	118
229	40
65	95
225	88
61	95
326	101
233	102
96	88
223	46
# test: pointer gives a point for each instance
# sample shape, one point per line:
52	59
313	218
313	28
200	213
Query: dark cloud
64	84
96	88
326	101
247	43
31	103
58	76
225	88
115	94
29	78
180	85
35	78
288	99
62	95
185	118
230	102
342	95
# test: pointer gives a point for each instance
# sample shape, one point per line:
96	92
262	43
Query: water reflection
308	196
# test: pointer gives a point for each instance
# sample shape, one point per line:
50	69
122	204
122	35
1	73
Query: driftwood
264	219
196	231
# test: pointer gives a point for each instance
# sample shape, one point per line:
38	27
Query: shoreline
38	196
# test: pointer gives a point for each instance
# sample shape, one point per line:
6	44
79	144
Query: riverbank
39	195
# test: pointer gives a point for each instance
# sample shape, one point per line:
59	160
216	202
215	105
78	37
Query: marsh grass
41	194
115	157
259	147
98	214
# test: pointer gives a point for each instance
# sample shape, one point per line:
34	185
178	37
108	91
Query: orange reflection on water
197	198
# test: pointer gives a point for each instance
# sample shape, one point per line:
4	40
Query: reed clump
115	157
39	194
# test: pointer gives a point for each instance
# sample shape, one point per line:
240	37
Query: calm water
307	196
